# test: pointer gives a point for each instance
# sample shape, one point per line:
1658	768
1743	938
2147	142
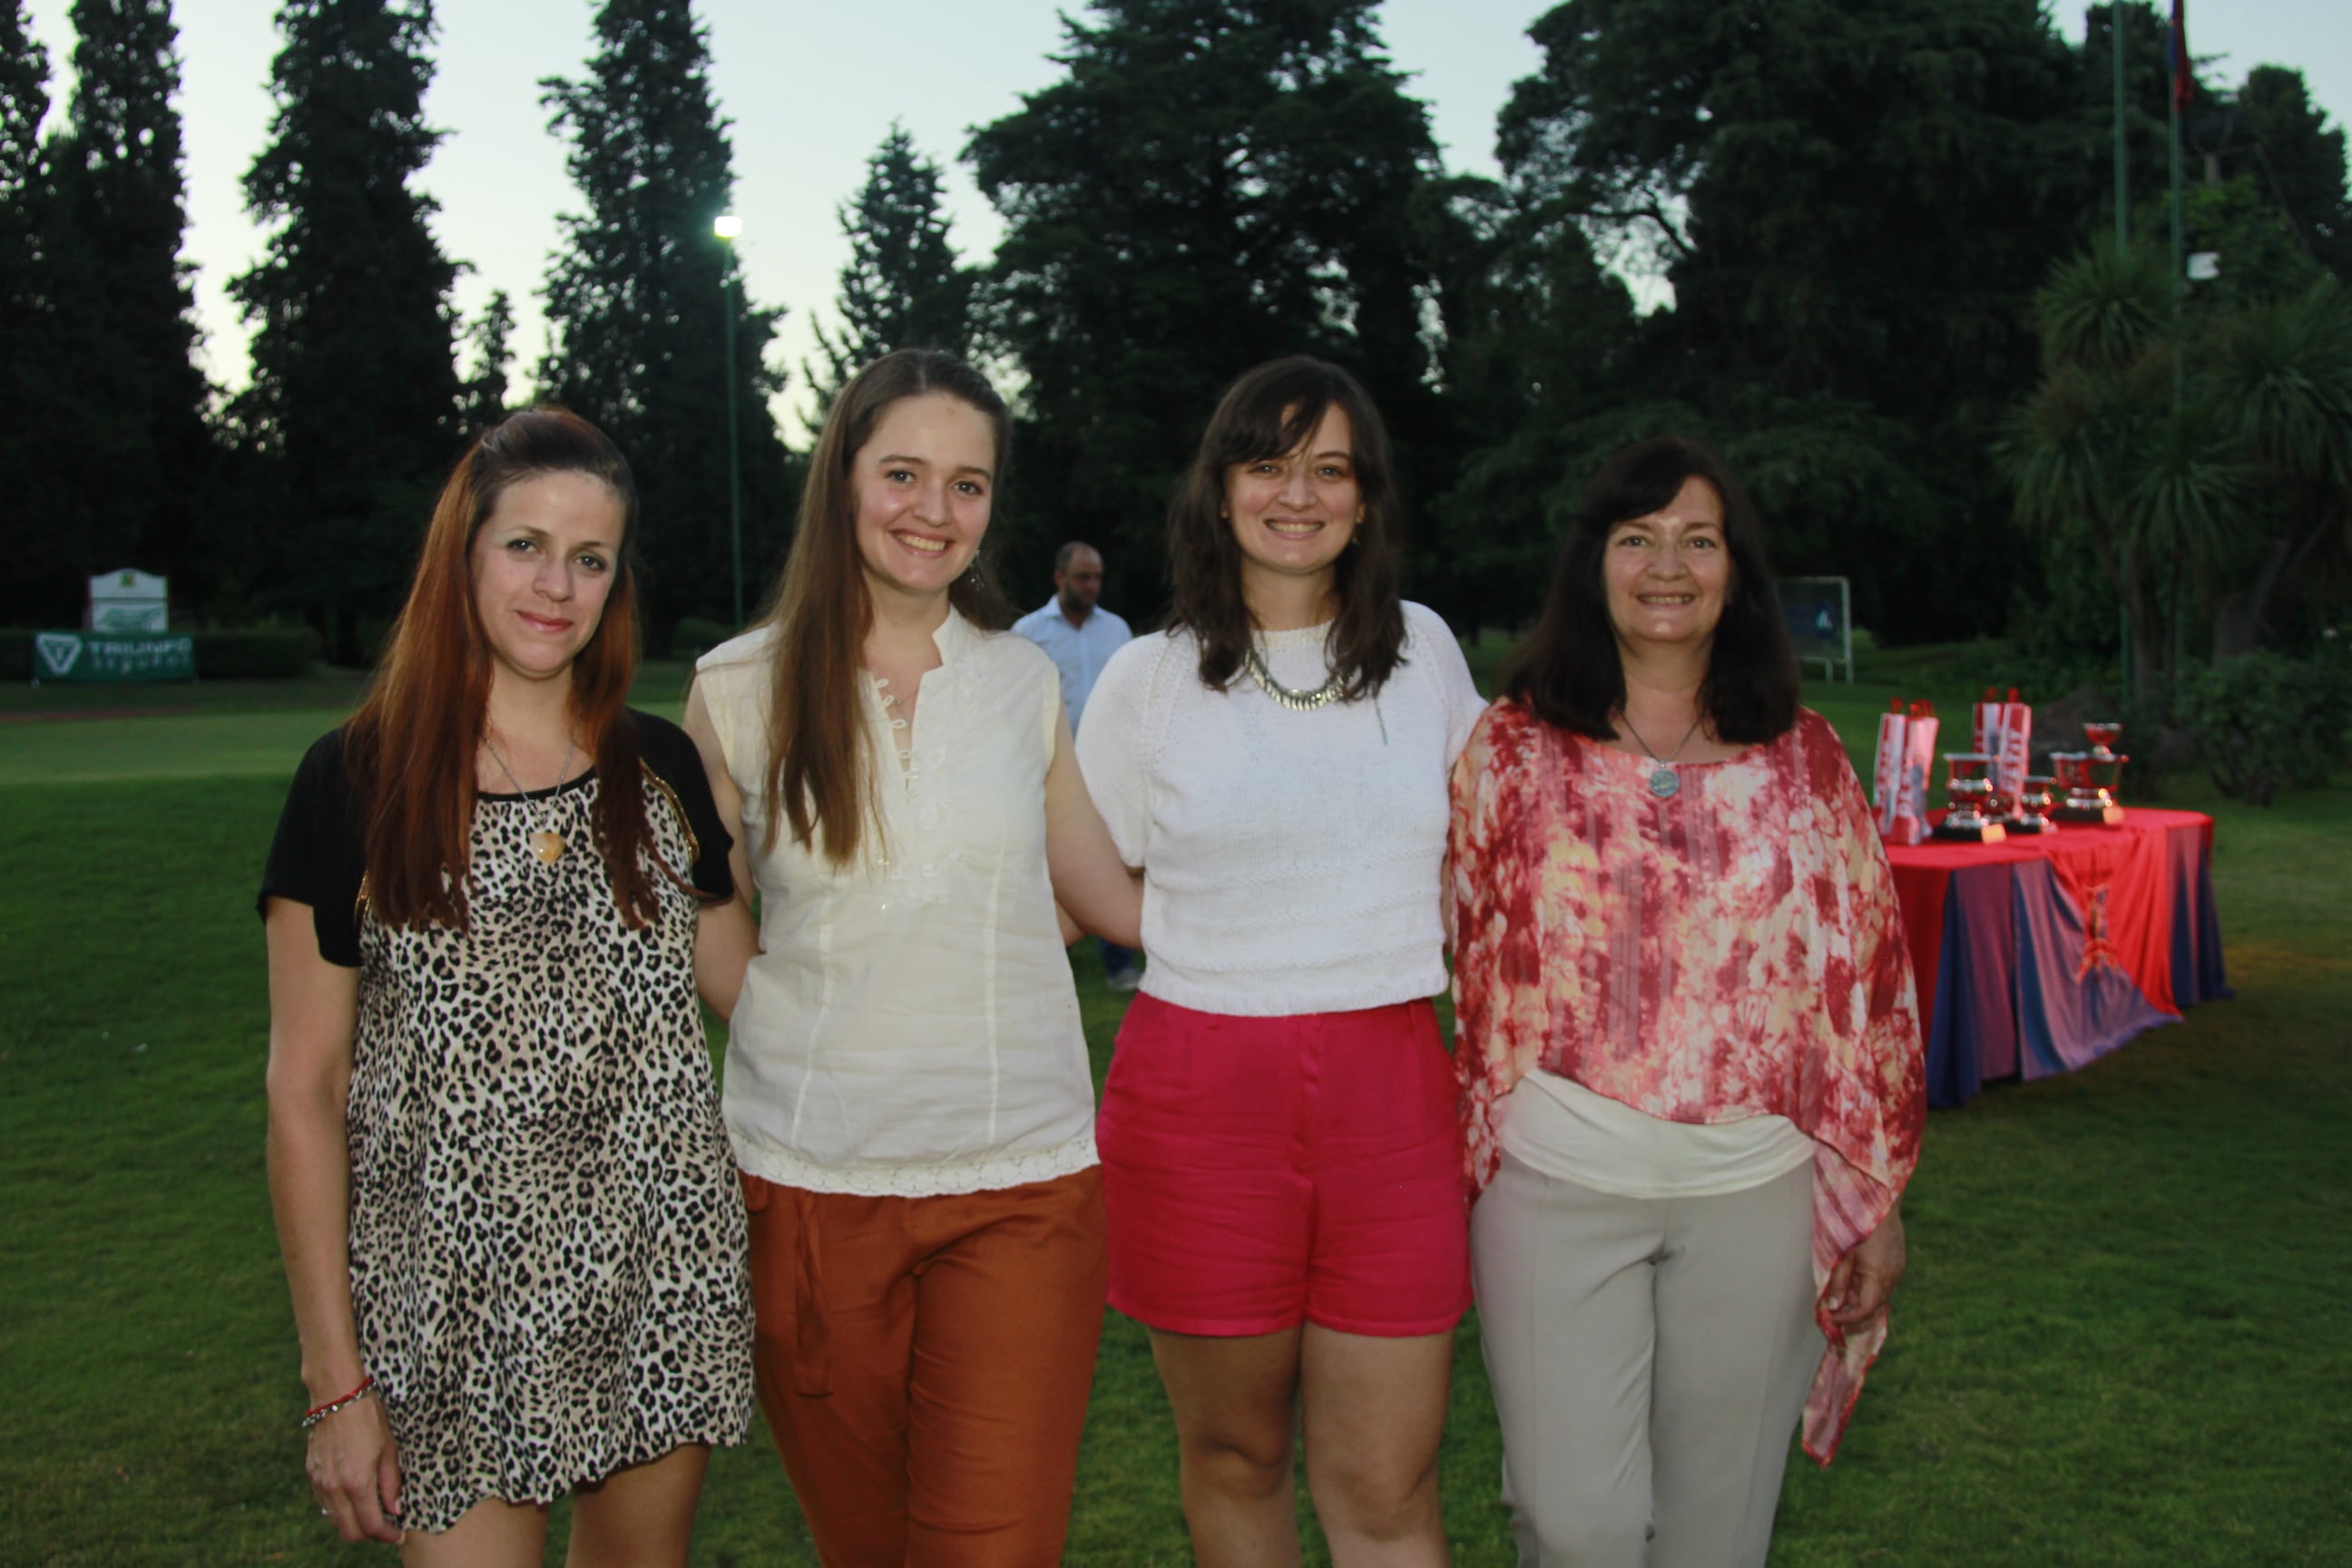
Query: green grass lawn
2127	1336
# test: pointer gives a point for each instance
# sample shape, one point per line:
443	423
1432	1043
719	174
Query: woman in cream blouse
906	1086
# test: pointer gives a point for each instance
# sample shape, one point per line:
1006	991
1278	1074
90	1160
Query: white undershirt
1291	861
1564	1130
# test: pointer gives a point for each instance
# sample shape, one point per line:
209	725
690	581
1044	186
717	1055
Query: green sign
113	655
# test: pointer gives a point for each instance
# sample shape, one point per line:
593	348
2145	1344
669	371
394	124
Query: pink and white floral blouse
1734	951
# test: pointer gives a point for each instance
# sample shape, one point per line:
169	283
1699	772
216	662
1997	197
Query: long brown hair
410	749
821	766
1270	412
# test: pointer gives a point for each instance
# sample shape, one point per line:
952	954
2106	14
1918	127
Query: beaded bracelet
312	1418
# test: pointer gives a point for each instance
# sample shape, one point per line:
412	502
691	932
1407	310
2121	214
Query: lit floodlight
727	226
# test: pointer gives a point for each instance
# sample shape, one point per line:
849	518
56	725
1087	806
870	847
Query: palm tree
2075	451
2118	451
2280	372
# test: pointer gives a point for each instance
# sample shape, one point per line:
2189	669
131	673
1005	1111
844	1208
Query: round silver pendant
1664	783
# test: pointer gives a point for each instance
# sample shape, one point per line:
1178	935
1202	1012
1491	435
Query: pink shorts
1262	1172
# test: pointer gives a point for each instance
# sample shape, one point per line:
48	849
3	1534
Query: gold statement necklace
546	843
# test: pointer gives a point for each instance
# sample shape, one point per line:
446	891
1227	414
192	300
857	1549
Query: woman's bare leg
642	1517
1375	1411
1235	1402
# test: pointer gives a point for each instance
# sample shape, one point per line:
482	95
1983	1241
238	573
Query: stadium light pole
727	226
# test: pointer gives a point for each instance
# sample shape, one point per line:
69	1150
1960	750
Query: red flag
2176	55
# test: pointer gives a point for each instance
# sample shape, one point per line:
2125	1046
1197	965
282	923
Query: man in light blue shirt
1081	636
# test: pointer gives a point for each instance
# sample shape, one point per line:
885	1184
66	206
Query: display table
2038	954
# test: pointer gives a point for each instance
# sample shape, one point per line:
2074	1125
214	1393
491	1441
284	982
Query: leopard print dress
547	1233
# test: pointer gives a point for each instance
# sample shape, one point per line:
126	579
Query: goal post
1818	612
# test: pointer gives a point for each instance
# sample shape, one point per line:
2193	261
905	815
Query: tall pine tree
1213	182
136	399
490	336
902	288
638	306
354	400
39	585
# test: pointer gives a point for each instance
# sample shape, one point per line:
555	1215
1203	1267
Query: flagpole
2182	85
2122	241
2122	148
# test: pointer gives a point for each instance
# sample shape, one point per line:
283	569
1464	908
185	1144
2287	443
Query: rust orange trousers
924	1365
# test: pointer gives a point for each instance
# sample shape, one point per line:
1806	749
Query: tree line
1879	223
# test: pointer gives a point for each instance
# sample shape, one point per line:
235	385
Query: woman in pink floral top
1686	1038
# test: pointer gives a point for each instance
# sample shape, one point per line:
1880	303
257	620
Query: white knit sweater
1291	861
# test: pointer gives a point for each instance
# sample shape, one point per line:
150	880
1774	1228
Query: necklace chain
1322	695
1664	783
546	843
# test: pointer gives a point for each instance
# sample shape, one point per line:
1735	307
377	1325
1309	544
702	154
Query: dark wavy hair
1270	412
1569	671
821	772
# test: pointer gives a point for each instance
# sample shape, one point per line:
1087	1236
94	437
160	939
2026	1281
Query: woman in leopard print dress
509	1218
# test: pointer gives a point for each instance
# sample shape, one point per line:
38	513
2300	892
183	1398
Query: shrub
2264	721
255	653
694	635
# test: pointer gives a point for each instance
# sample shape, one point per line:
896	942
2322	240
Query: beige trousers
1650	1360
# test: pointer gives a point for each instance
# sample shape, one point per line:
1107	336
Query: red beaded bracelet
312	1418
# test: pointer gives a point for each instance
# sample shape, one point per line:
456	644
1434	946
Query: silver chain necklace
1663	781
547	844
1322	695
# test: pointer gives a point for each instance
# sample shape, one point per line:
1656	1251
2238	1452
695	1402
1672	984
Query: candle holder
1968	790
2033	802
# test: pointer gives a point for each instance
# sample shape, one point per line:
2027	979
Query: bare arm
727	937
1093	888
314	1007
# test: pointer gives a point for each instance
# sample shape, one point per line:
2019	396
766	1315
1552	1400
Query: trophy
2089	779
1969	789
2034	801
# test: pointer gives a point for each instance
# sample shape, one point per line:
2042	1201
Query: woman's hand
1866	1278
355	1471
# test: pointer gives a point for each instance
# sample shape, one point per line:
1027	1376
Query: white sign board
130	601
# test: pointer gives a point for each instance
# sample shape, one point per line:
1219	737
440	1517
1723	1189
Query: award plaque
1968	790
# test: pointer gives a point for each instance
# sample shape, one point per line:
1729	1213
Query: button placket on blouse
926	781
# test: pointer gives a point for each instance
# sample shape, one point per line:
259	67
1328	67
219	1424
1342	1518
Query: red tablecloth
2130	901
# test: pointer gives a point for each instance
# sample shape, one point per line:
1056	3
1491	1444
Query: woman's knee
1375	1497
1595	1526
1239	1460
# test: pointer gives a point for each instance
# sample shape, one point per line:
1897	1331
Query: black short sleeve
669	753
317	857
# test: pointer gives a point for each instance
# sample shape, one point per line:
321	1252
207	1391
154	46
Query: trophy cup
2033	803
1999	806
1967	786
2089	779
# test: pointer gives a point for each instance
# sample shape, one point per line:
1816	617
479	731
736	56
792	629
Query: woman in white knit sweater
1278	1136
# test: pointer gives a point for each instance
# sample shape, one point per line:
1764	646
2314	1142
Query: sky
812	89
